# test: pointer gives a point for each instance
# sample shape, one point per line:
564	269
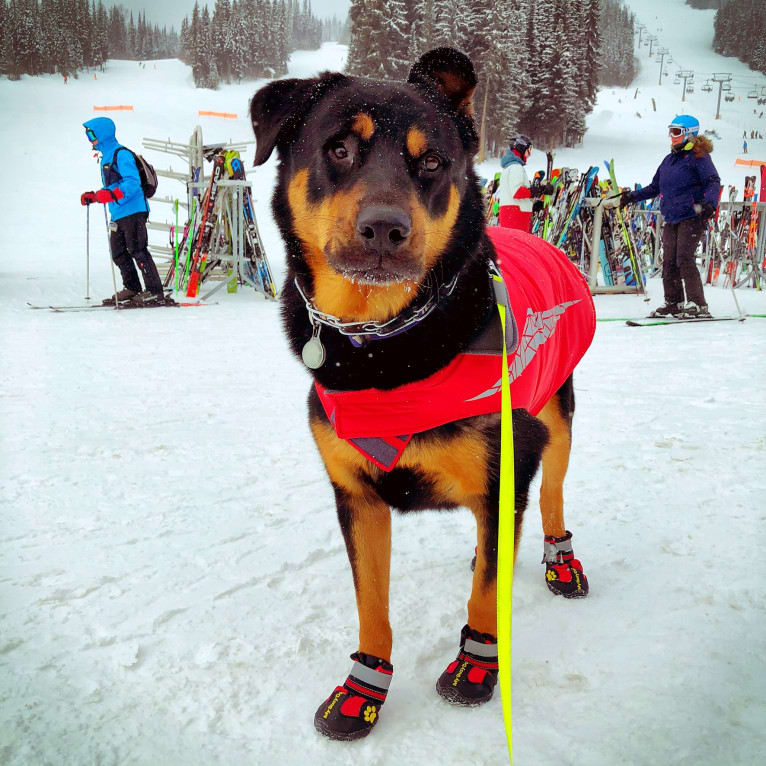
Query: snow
174	588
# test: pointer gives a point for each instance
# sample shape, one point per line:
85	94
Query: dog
392	296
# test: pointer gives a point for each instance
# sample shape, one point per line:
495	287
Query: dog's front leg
352	709
366	524
470	679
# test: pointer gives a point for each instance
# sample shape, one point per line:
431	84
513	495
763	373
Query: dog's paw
353	709
563	572
470	679
567	580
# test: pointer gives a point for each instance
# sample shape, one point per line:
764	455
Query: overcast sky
170	13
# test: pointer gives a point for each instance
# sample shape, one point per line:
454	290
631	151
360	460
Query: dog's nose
383	227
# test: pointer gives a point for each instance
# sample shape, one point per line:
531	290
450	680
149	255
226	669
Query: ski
637	273
582	191
207	225
651	321
260	264
123	307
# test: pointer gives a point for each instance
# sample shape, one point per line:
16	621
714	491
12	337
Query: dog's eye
431	163
339	151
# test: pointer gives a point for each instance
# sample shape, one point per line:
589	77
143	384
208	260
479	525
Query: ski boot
123	296
147	299
563	572
669	309
692	310
470	679
353	709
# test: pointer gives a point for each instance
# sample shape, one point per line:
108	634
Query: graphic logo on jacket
539	326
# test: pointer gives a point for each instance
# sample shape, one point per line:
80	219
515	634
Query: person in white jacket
514	193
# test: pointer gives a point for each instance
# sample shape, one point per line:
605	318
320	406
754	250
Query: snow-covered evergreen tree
536	61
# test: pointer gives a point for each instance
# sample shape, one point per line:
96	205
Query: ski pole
175	245
111	260
87	252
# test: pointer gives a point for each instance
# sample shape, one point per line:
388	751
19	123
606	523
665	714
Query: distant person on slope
514	192
689	189
128	210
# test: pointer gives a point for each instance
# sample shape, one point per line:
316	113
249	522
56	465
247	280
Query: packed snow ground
173	585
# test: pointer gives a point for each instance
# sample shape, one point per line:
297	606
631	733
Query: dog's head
374	180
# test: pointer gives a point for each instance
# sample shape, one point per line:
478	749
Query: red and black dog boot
563	572
353	709
470	679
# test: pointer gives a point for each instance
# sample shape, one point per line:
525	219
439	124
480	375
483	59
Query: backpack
146	172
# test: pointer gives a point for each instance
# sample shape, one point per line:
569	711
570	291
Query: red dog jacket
551	306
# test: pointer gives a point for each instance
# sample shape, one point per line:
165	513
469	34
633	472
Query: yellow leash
505	543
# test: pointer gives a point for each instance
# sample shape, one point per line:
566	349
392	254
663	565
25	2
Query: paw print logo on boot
563	572
353	709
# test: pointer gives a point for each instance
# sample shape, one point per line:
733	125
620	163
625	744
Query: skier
129	210
514	192
744	147
689	187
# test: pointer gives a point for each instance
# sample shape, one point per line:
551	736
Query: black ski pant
129	242
679	269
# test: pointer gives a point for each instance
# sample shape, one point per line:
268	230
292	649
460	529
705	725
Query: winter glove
102	195
706	211
108	195
547	189
537	207
625	198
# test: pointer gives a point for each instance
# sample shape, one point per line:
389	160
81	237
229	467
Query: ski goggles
675	132
91	135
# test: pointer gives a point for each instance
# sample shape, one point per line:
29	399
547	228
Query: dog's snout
383	227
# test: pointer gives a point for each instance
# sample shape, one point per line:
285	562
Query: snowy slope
174	587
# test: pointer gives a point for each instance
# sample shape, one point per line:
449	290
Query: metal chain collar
392	326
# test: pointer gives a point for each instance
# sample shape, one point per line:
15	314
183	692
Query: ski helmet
688	125
521	143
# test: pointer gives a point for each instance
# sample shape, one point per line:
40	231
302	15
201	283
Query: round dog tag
313	353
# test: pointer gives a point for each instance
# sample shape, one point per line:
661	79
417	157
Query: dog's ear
451	73
277	110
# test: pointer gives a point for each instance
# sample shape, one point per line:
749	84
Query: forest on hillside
250	38
740	30
539	62
66	36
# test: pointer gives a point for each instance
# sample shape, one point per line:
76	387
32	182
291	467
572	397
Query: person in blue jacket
689	189
129	211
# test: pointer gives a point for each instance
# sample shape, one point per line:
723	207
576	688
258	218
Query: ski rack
228	264
598	205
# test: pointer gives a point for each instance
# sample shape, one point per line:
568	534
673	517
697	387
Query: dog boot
470	679
563	572
352	710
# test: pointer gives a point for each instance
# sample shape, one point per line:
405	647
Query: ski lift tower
720	78
641	29
651	40
662	52
685	75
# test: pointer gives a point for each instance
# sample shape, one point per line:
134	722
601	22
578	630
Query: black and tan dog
389	282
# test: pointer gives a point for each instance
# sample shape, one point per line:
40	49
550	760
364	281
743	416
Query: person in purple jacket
689	188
